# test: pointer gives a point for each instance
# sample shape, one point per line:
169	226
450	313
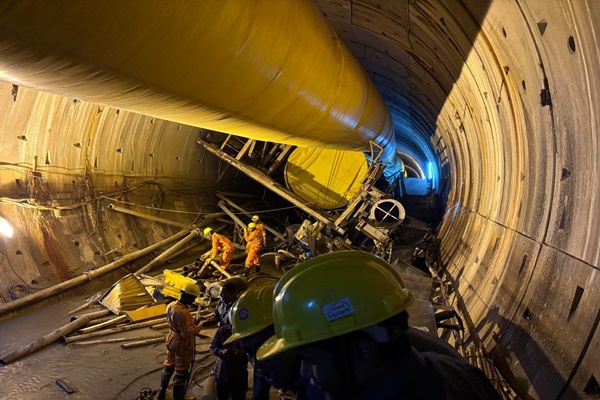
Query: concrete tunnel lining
505	93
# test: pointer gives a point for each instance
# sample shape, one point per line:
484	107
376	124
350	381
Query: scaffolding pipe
142	343
88	276
249	215
234	217
272	185
117	340
46	340
210	389
92	315
169	252
149	217
137	325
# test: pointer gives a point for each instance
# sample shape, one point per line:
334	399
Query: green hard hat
331	295
252	312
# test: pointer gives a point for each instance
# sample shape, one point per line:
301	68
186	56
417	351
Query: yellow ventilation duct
268	70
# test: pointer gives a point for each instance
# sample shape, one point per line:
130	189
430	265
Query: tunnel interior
494	102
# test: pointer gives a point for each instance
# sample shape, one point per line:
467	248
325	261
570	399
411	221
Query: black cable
135	379
17	291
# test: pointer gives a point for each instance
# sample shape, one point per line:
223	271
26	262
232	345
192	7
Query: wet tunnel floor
98	371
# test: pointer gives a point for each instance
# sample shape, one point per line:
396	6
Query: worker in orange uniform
254	244
261	229
180	344
220	244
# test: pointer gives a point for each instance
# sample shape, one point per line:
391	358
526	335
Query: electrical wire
135	379
18	291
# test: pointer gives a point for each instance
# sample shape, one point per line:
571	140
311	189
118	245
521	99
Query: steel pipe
231	215
88	276
116	340
149	217
209	389
75	338
142	343
169	252
46	340
274	186
249	215
92	315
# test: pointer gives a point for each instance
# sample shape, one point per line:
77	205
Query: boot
257	268
161	393
165	377
178	392
247	270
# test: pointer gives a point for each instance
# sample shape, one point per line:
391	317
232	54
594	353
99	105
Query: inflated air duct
267	70
327	178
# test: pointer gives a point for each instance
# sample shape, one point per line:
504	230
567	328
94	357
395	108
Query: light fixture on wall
5	227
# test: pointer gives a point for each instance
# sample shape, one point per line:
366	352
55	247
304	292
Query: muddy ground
95	372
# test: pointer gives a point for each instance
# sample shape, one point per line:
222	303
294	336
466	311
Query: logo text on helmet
338	309
243	314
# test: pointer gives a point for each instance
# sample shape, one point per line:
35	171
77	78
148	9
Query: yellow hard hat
251	225
252	312
255	218
191	289
333	294
207	230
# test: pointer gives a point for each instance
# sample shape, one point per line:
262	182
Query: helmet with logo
332	295
251	225
252	312
255	218
207	231
191	289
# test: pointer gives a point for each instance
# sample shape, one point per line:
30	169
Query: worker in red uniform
180	343
254	244
260	228
220	245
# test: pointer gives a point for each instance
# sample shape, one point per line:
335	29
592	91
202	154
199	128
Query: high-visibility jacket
221	244
254	241
182	330
260	228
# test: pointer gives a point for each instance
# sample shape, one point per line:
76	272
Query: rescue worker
260	227
222	315
252	323
231	367
254	244
344	315
220	245
180	343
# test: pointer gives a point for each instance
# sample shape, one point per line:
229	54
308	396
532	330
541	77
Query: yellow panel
174	282
141	314
328	178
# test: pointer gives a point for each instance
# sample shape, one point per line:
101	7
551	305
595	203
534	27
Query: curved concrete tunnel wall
504	94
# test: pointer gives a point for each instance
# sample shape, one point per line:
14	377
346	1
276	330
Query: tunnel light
429	170
5	228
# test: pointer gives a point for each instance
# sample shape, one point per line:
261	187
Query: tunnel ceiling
502	94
